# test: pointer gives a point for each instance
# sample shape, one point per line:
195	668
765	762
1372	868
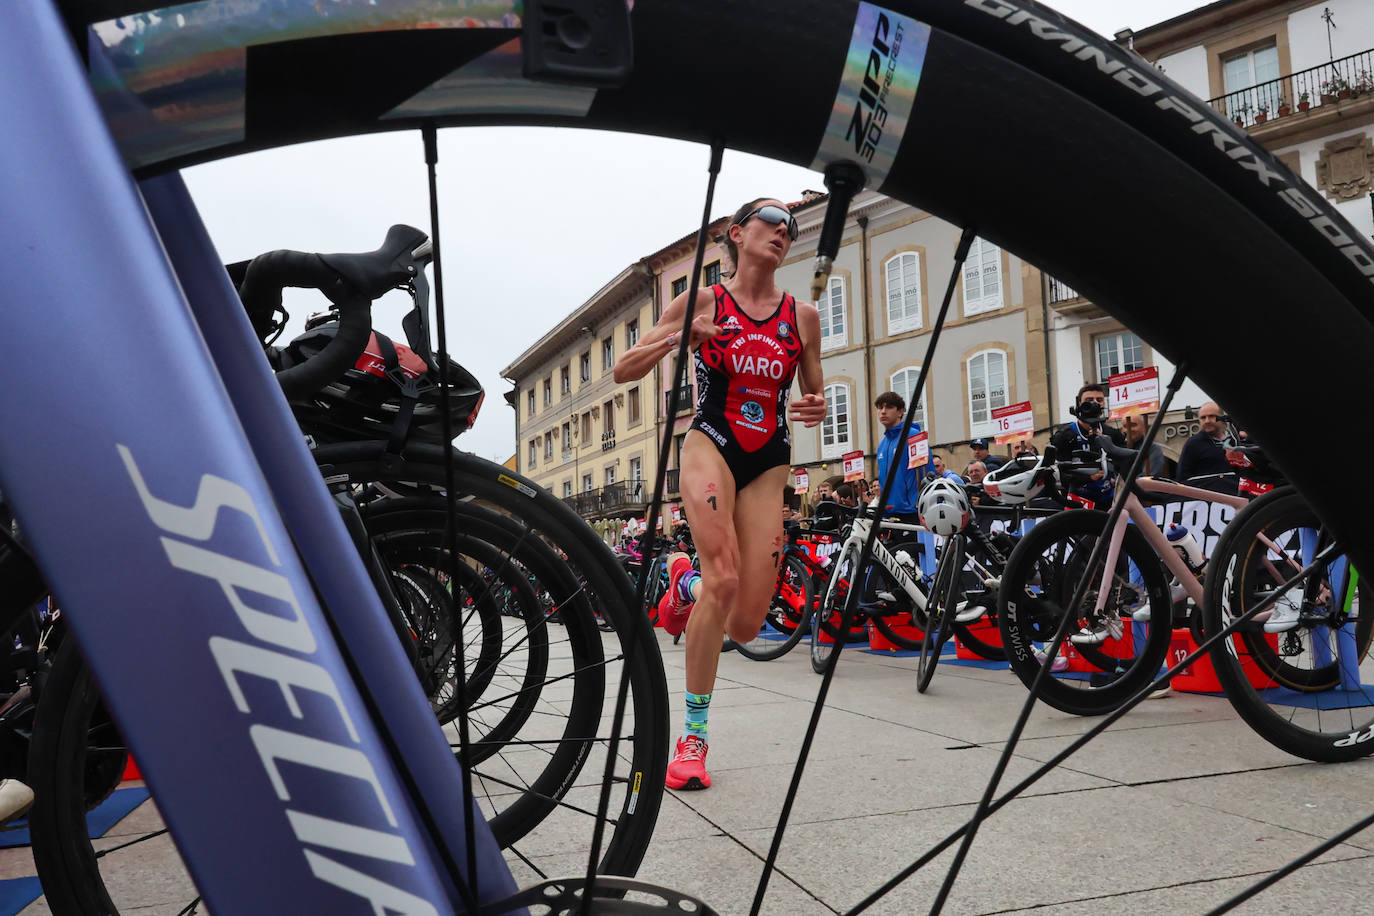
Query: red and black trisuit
744	381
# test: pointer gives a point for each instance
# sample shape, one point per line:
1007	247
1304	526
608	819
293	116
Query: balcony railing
684	400
1061	291
625	495
1325	84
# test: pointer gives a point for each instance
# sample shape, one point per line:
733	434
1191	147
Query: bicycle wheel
827	614
538	706
1303	690
1038	584
594	580
788	611
977	590
945	592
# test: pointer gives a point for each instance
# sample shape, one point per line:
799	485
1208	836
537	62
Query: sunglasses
773	216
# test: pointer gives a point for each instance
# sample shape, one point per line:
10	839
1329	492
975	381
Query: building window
586	483
534	451
530	401
631	333
567	438
548	391
713	273
1248	71
835	426
903	382
608	353
567	489
565	381
586	426
608	417
987	390
982	278
903	292
584	366
636	469
1117	353
831	308
679	286
632	406
610	475
548	446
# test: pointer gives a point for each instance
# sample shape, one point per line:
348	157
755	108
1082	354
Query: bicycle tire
635	807
59	757
969	638
1303	711
791	603
940	607
1037	585
824	633
412	532
68	861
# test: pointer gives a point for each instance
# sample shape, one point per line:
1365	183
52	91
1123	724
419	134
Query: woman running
749	339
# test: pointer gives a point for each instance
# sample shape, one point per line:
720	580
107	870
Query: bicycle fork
376	571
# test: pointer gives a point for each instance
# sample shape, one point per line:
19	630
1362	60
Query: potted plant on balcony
1304	101
1328	91
1239	114
1342	88
1364	83
1261	112
1284	108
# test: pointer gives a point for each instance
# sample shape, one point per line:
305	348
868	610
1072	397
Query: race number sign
677	514
803	480
853	463
1134	393
918	450
1013	423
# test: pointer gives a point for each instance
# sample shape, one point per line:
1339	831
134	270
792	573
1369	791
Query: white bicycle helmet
1017	482
944	507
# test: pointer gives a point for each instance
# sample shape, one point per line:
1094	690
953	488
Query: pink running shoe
673	609
1060	662
687	769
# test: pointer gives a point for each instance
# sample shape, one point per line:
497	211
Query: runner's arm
662	338
810	407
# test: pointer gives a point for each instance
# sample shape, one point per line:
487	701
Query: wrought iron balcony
1325	84
1061	291
622	496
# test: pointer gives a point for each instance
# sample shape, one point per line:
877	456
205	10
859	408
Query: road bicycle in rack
894	570
1123	630
1299	674
972	561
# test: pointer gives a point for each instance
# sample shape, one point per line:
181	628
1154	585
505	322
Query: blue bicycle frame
166	491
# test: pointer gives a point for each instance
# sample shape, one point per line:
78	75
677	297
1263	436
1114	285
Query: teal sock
684	588
698	704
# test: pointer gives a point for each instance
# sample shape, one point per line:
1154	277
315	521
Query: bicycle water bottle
1182	540
907	563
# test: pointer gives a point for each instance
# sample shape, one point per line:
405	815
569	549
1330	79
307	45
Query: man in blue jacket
906	487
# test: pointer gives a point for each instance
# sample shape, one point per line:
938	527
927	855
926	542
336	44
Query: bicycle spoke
143	839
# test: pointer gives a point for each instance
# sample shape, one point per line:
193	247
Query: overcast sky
533	221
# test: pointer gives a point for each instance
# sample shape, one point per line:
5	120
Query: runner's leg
708	495
758	527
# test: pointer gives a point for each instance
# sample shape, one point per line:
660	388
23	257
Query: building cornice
631	283
1197	27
